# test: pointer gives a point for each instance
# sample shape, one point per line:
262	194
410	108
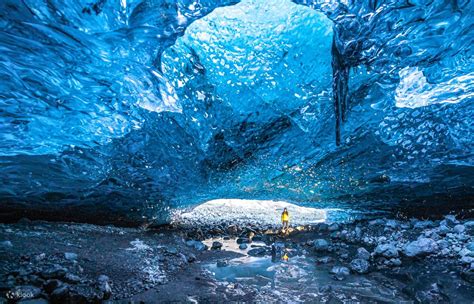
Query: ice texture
128	109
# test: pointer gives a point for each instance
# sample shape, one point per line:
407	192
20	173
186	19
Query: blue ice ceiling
125	109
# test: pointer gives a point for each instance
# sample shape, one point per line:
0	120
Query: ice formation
123	110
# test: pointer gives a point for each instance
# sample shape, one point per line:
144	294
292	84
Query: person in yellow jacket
285	219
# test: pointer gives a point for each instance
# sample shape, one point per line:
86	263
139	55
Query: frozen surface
127	109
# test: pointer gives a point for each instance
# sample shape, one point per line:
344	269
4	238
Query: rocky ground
377	260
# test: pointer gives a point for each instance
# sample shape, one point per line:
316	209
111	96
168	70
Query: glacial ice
124	110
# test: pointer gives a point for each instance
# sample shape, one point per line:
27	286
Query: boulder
360	266
422	246
320	245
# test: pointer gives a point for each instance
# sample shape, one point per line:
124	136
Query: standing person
285	218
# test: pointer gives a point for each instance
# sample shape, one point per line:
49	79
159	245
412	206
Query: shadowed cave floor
408	261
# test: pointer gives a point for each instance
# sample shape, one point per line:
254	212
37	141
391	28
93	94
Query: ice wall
120	110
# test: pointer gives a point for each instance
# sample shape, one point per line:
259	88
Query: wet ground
366	261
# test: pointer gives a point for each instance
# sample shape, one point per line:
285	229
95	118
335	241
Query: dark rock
216	245
468	275
380	179
60	295
50	285
243	246
243	240
323	227
55	272
71	278
260	251
334	227
360	266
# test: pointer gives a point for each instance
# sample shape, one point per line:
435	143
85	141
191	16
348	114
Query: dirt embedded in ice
239	211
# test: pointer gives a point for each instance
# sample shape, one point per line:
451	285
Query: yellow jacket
285	217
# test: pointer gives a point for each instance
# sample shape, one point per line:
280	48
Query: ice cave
204	119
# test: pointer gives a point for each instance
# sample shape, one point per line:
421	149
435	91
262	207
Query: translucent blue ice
131	107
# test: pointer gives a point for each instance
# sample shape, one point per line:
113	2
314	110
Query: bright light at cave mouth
242	211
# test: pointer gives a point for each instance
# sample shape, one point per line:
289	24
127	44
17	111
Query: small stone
71	256
422	246
340	272
216	245
320	245
360	266
243	246
459	228
243	240
362	253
